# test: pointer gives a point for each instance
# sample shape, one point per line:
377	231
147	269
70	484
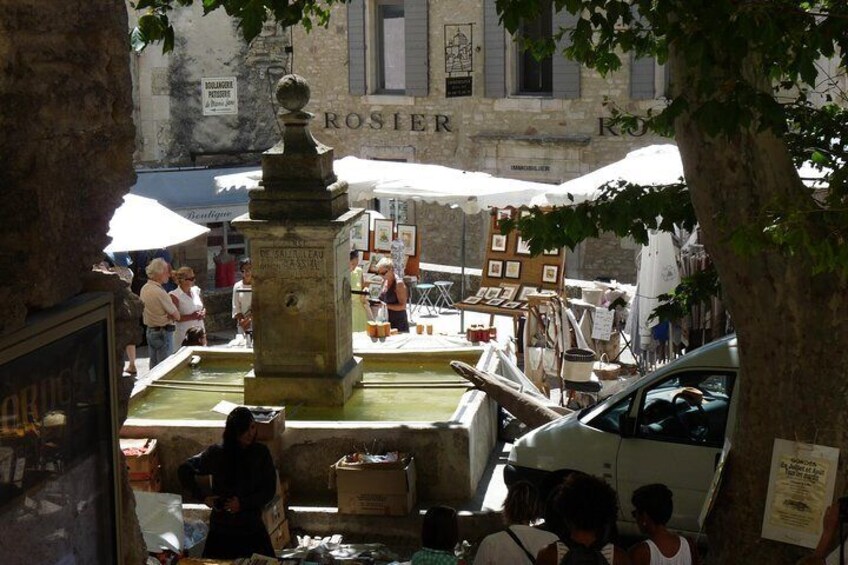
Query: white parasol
142	223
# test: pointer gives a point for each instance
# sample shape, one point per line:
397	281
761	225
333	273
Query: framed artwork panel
481	292
550	274
493	292
408	235
494	302
522	246
511	305
360	234
509	291
551	252
502	214
383	233
512	270
495	268
473	300
526	290
498	242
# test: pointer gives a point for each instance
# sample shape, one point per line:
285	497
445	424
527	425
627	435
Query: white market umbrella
472	192
142	223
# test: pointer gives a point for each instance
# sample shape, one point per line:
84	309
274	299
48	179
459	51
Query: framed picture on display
360	234
493	292
551	252
498	242
473	300
550	274
494	302
513	270
408	235
525	291
373	260
495	269
509	291
502	214
481	292
512	305
522	246
383	232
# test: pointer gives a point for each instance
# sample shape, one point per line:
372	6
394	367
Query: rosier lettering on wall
438	123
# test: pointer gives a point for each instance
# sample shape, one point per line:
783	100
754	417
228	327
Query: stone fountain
299	228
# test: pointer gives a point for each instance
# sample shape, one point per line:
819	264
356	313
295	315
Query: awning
191	192
141	223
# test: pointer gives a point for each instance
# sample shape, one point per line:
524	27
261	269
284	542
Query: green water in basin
420	390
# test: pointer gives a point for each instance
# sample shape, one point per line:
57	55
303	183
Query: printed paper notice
801	487
602	323
220	96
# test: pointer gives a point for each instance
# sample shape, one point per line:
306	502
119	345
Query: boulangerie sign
220	96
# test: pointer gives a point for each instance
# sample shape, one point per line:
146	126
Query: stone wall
172	129
66	146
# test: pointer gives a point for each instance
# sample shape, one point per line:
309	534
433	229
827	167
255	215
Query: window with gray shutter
416	47
356	46
494	52
642	77
566	73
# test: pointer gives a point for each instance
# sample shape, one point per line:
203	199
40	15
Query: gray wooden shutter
566	73
494	52
356	47
416	54
642	77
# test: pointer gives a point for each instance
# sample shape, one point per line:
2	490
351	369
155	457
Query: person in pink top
653	507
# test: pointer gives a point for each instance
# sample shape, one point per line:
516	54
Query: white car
668	427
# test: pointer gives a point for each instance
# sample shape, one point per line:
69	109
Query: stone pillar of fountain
299	228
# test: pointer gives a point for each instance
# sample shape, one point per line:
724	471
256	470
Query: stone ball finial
293	92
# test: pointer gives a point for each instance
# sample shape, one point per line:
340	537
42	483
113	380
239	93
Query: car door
679	425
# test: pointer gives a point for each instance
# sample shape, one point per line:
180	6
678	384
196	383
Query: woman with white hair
394	295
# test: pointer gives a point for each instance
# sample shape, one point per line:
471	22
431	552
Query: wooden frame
512	305
525	290
512	270
493	292
473	300
498	243
550	274
383	234
495	268
551	252
360	234
509	291
481	292
502	214
408	235
494	302
522	246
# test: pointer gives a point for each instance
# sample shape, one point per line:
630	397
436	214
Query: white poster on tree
801	485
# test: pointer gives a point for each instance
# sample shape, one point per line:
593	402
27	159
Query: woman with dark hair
244	480
520	542
652	510
439	536
584	509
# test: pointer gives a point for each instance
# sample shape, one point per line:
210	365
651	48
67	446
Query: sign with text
220	96
602	323
801	485
456	87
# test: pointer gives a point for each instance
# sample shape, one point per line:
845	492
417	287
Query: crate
142	458
281	537
151	483
274	513
270	421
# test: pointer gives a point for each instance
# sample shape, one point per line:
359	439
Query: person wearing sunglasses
186	297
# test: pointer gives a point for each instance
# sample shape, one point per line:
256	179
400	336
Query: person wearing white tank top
653	507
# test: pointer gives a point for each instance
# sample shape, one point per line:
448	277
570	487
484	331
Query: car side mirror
626	425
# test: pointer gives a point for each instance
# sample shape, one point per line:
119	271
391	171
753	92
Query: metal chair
444	300
424	300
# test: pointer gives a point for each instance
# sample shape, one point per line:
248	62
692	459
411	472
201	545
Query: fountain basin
409	401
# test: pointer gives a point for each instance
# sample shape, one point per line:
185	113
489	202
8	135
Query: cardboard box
153	483
274	513
142	458
270	421
280	537
376	488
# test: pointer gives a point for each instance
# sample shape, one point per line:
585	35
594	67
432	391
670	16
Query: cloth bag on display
577	364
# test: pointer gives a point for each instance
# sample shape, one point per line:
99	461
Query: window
390	41
535	77
687	408
609	420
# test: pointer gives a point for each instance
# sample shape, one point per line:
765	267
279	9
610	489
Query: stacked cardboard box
143	464
274	516
376	488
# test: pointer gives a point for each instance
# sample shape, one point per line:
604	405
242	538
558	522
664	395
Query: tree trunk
790	326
